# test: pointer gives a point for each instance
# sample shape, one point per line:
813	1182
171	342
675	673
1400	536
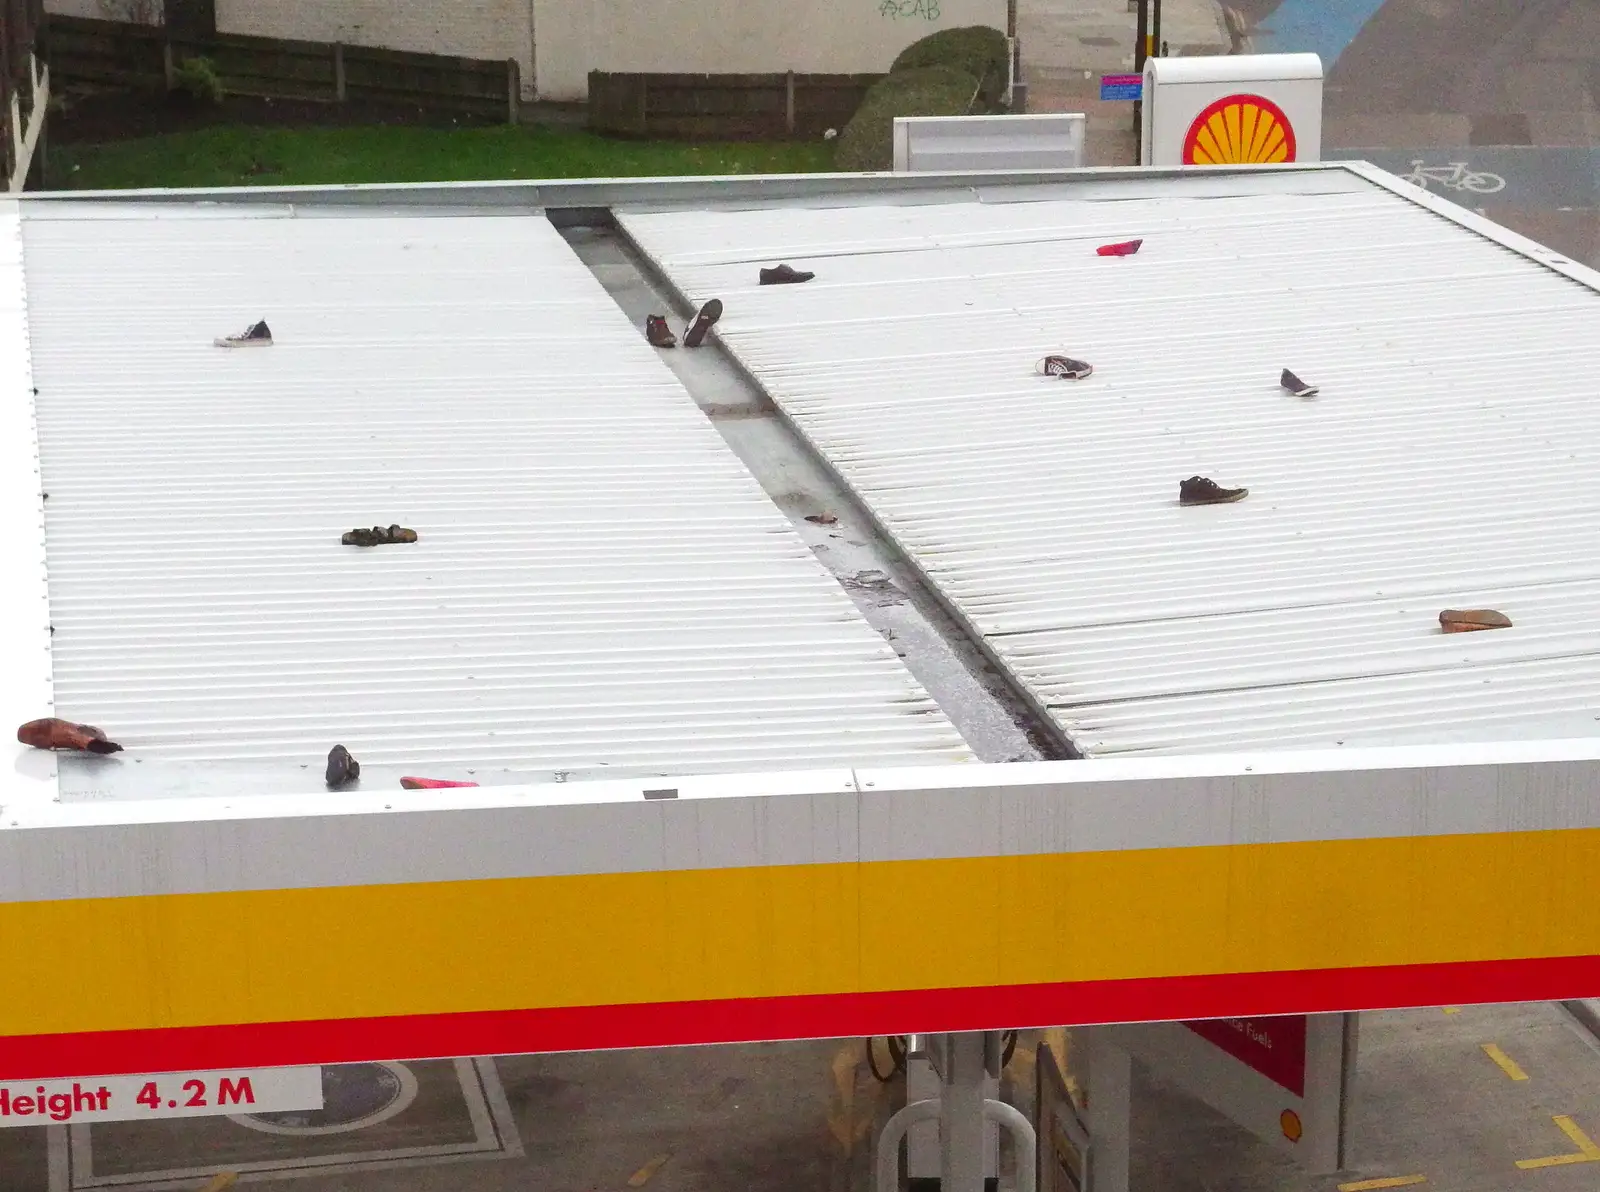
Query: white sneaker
1065	367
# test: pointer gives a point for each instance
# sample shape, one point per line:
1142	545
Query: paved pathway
1068	44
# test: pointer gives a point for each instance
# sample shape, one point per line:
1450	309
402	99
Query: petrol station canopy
710	793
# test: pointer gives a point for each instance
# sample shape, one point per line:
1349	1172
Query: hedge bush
975	49
867	142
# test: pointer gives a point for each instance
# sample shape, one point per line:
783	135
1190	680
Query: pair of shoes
377	535
784	275
1065	367
257	335
660	335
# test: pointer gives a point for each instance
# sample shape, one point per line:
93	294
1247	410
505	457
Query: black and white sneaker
257	335
695	335
1065	367
1296	386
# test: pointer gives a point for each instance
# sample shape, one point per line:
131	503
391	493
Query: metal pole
1141	39
961	1117
1156	48
1109	1112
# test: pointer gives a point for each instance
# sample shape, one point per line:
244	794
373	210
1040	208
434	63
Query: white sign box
1049	141
85	1100
1286	1079
1243	109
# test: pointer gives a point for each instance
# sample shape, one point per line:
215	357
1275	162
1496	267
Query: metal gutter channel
998	719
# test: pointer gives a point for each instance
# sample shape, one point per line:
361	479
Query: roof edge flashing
28	690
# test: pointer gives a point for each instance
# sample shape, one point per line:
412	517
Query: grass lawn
242	155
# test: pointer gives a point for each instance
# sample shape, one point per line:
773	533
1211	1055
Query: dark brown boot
658	333
1202	490
342	768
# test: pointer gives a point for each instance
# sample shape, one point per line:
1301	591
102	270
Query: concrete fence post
340	92
513	91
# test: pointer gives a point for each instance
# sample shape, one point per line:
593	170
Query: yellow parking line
1452	1009
1587	1151
1394	1181
642	1177
1507	1064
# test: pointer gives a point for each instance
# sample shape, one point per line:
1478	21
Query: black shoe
658	333
709	314
257	335
784	275
342	768
1201	490
1065	367
1296	386
377	535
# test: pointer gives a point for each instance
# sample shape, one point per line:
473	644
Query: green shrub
867	142
197	79
976	49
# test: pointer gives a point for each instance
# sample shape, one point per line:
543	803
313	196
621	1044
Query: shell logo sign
1240	130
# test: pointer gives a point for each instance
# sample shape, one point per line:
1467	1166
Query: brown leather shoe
658	333
785	275
1470	620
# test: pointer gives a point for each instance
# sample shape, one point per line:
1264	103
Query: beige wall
497	29
735	36
577	36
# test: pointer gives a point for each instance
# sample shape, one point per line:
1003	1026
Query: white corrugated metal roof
598	581
1449	462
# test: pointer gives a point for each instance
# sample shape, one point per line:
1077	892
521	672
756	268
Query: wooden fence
723	106
141	56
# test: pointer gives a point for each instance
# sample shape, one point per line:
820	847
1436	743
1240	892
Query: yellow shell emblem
1239	130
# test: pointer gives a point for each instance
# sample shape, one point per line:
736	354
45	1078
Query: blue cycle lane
1322	27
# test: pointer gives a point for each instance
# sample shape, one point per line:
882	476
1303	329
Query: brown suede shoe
1470	620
